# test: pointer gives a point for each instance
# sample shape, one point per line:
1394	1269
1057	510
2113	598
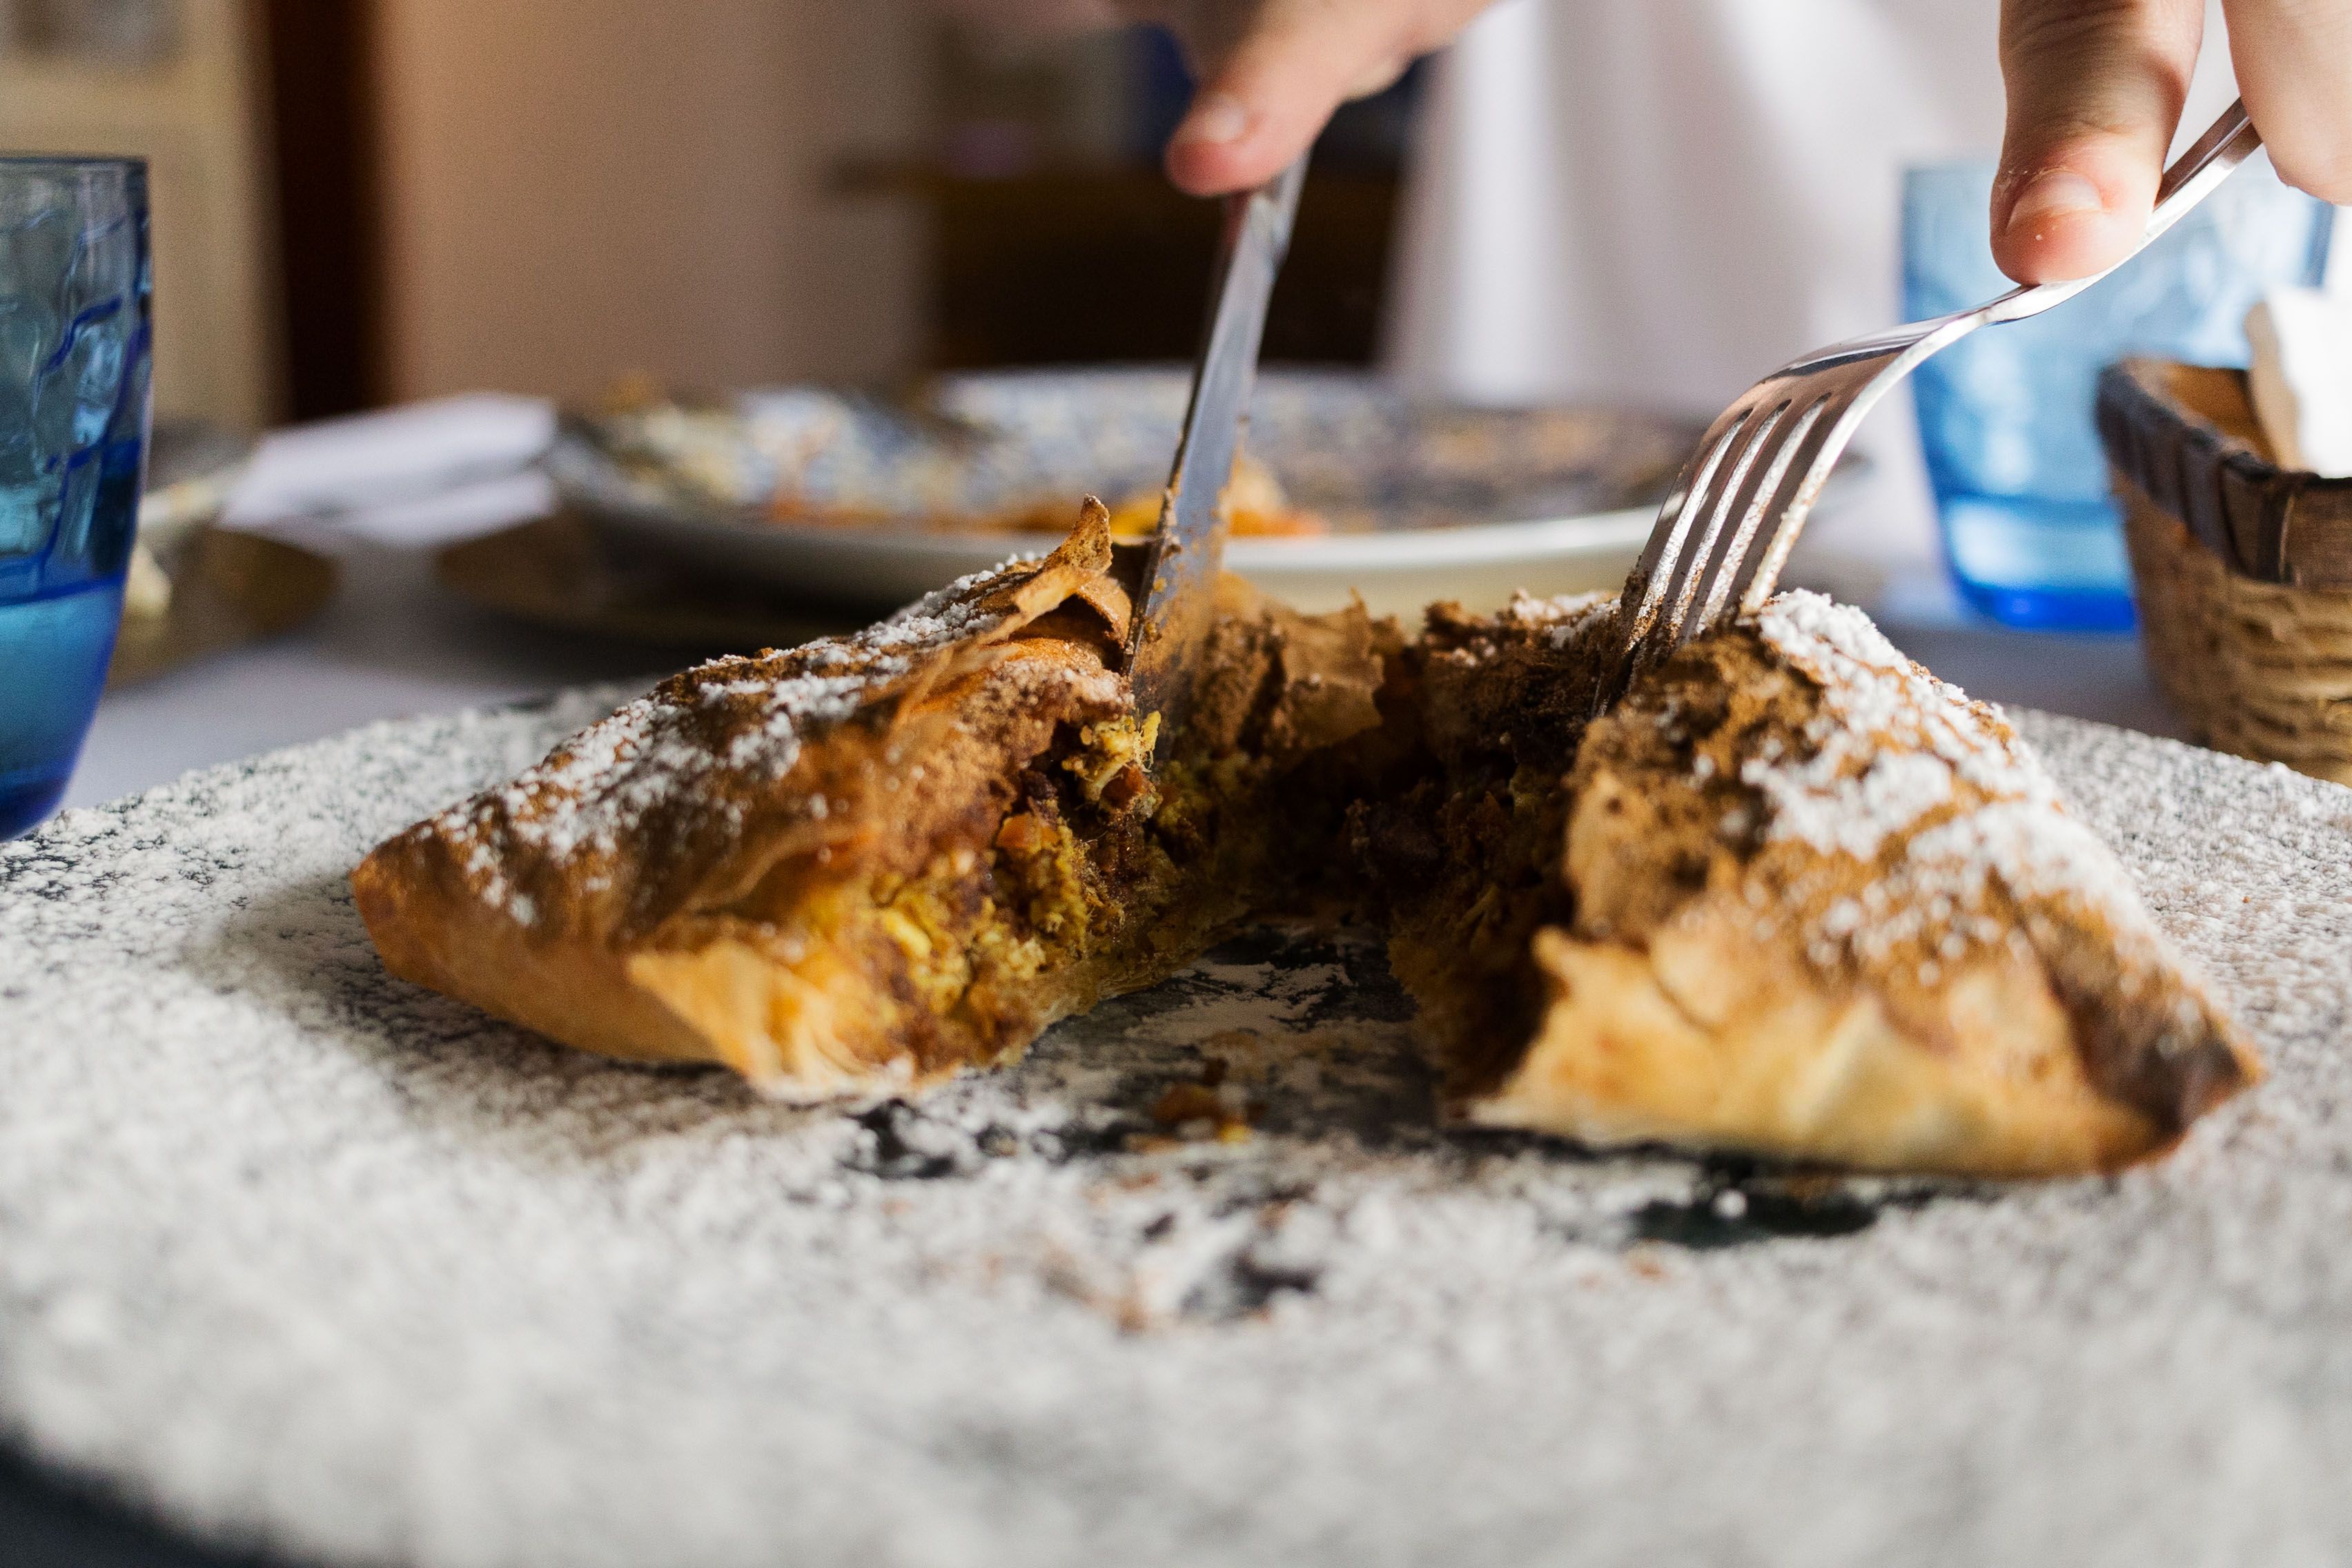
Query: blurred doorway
327	180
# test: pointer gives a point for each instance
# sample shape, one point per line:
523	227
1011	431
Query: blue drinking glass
75	303
2031	532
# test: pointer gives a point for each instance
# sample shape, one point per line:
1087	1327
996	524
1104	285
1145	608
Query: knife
1180	565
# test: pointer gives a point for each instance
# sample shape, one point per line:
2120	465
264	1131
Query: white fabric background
1655	203
1658	202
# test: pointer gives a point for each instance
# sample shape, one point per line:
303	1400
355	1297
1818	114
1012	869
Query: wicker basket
2244	570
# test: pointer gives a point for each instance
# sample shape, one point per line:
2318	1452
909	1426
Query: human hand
2096	88
1271	71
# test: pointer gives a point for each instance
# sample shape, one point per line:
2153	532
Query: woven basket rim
2186	437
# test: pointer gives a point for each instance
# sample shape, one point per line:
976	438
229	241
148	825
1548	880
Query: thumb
2095	94
1265	100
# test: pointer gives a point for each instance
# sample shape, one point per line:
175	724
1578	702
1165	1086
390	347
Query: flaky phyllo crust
1793	896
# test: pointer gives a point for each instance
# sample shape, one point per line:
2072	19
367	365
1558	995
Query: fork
1735	512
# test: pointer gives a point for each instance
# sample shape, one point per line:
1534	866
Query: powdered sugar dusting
738	717
1562	618
1893	749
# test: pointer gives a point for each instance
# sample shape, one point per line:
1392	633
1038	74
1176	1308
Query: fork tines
1737	510
1725	532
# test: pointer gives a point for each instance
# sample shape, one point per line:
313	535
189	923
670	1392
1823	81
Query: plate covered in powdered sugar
295	1253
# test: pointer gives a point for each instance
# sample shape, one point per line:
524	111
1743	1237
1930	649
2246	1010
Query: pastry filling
1034	910
966	862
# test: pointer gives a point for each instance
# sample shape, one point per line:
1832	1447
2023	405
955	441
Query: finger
1265	101
2095	94
2294	69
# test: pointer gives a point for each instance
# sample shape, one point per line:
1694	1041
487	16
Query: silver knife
1180	567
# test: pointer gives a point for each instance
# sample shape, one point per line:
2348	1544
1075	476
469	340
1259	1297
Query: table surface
384	1278
392	643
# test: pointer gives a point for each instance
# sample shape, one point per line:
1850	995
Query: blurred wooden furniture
1080	265
175	82
323	112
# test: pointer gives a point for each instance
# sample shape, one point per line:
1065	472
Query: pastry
1792	896
865	863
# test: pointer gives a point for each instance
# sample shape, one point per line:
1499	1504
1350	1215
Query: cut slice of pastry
1793	896
1797	897
863	864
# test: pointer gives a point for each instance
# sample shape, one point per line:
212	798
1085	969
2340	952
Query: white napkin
419	475
2302	377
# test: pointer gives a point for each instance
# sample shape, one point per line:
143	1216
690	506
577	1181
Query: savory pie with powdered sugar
1793	896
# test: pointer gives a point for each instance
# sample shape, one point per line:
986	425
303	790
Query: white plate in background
1397	574
1455	503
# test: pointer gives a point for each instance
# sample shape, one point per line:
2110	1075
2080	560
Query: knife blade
1180	567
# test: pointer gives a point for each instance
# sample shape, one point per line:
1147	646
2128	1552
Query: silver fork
1735	511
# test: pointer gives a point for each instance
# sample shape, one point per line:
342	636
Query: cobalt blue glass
75	346
2031	532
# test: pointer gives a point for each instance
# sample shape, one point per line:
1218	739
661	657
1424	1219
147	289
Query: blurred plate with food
1350	485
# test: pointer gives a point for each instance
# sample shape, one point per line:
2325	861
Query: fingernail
1217	117
2055	194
